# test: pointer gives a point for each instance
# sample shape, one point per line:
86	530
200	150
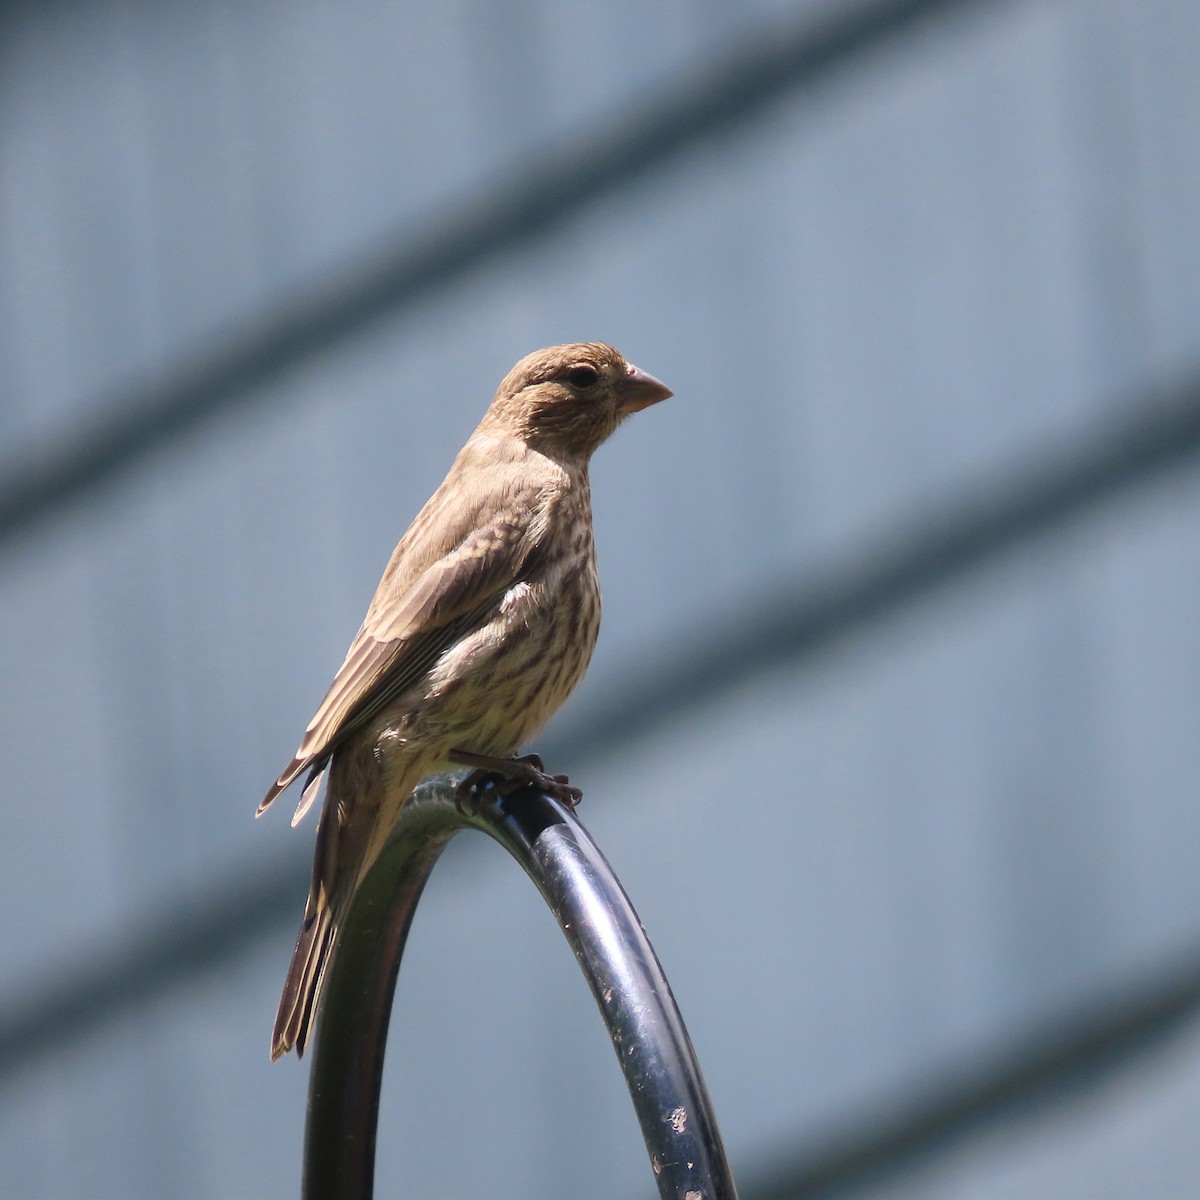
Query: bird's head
565	400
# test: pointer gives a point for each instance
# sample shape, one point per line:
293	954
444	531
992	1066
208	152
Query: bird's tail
298	1006
350	837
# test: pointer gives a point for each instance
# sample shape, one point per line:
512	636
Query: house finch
483	623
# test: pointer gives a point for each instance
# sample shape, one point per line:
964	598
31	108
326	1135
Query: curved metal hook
610	945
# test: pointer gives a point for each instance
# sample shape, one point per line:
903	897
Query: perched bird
483	623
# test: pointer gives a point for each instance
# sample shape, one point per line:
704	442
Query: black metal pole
612	949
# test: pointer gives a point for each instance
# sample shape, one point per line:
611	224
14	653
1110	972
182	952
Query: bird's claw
558	786
508	775
567	795
468	790
561	788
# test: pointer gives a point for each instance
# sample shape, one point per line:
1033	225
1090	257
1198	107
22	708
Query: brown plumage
483	623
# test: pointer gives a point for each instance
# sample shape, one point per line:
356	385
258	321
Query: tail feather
350	836
301	989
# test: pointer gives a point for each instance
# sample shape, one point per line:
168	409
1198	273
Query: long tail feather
350	837
301	989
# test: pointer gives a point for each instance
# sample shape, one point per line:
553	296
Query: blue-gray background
886	294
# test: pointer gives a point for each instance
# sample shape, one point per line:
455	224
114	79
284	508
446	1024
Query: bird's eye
582	376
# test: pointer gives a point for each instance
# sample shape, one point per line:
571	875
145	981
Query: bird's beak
639	390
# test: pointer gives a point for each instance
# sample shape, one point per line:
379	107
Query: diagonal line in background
1150	436
790	624
120	976
1143	437
548	190
1078	1046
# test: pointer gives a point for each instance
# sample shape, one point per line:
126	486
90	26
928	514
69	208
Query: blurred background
892	730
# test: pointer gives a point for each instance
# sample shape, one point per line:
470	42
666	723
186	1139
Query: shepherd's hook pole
610	945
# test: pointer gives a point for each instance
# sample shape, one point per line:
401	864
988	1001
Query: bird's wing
405	634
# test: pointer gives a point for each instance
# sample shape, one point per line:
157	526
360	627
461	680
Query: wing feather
404	635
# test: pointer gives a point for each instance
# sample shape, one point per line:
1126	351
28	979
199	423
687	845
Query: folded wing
406	633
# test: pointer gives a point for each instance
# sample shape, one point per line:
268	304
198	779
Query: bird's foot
467	792
511	774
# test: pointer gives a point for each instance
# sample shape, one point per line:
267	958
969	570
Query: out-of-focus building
926	282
